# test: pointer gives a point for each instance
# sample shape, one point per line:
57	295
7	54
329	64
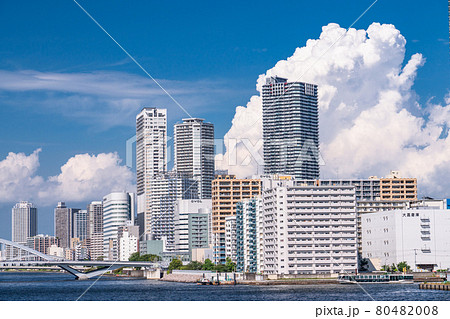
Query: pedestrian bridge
15	255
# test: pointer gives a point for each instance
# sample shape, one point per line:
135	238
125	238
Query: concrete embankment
289	282
435	286
181	277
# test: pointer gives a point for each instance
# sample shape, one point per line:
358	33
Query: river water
60	286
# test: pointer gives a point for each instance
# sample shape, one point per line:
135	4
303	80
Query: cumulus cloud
83	177
370	121
17	176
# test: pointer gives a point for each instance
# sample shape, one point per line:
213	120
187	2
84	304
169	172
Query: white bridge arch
17	255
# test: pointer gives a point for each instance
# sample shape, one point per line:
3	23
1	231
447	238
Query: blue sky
209	53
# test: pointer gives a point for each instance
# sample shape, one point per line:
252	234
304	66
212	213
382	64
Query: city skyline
77	143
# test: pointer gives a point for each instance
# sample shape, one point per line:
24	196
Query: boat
204	281
385	278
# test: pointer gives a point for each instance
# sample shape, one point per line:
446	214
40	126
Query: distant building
290	128
42	243
227	192
24	222
395	187
118	209
230	238
192	224
309	229
128	241
167	189
151	159
95	229
416	236
194	153
64	224
54	250
81	224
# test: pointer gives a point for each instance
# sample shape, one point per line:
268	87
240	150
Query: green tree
134	257
403	265
101	258
229	265
175	264
208	265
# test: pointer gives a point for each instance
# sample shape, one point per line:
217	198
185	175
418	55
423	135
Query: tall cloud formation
370	121
84	177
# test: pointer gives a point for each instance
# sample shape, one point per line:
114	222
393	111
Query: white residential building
167	189
249	236
309	229
151	159
230	238
128	241
118	209
421	237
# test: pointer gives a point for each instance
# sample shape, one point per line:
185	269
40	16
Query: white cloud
83	177
370	121
105	98
17	176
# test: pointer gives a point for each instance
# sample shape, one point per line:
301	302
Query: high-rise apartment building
309	229
151	158
249	236
194	153
227	191
290	128
230	238
81	224
24	222
95	229
167	189
64	224
118	209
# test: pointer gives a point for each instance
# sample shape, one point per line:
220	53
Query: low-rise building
192	224
419	237
128	241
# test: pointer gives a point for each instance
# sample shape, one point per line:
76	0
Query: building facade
395	187
290	128
417	236
309	229
192	224
24	222
230	238
128	241
227	192
167	189
118	209
42	243
64	224
95	229
249	236
194	153
151	159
